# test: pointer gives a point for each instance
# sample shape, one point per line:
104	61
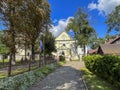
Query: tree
84	33
35	16
3	48
8	15
25	17
97	42
113	20
49	43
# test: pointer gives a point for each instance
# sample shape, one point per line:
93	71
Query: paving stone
67	77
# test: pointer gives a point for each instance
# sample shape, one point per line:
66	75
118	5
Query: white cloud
92	6
55	21
62	24
104	6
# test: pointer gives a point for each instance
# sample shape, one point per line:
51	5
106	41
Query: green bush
61	58
23	81
107	67
90	61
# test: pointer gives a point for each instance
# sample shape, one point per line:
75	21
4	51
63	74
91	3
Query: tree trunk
33	52
39	60
13	59
84	47
13	51
25	50
30	63
25	53
13	37
10	65
3	59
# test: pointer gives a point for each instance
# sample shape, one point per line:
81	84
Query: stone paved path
67	77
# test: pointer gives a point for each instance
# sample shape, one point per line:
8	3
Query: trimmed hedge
107	67
23	81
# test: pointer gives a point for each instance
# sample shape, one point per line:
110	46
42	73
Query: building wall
20	52
64	43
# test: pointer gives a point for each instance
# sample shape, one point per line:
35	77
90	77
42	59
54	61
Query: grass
25	80
6	62
18	63
61	63
22	70
96	83
17	71
3	75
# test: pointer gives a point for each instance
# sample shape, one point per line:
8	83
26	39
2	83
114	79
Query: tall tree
26	17
113	20
8	15
84	33
34	16
49	43
95	44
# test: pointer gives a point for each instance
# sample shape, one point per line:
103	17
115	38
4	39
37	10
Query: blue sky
97	10
63	10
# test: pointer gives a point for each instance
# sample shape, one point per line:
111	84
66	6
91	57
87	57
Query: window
81	49
64	45
63	53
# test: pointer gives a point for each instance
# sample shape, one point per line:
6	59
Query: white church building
66	46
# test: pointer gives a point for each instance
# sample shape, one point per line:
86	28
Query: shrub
107	67
61	58
90	61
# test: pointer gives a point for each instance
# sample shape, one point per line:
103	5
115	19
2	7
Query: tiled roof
112	40
92	51
110	48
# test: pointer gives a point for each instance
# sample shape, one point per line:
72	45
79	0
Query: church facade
66	46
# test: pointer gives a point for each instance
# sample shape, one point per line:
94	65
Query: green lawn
6	61
17	71
96	83
18	63
3	75
22	70
62	63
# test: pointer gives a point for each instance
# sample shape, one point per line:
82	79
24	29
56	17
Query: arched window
63	53
64	45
